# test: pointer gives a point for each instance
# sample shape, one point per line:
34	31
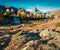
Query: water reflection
31	21
16	20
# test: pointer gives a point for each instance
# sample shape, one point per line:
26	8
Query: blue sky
43	4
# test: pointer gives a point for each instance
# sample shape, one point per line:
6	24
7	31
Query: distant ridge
2	7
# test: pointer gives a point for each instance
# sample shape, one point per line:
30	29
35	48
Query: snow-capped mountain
34	10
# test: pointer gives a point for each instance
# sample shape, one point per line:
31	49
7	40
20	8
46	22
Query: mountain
2	7
48	12
36	10
56	13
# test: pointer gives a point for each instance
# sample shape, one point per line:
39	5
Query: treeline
9	13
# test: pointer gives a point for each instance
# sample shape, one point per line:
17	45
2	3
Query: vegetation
8	13
58	24
1	15
17	34
22	14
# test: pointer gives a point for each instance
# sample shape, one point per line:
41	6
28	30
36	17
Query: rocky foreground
45	40
45	36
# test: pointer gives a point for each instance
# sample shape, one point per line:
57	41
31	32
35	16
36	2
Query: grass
17	34
58	24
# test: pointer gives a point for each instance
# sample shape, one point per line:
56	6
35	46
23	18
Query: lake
17	21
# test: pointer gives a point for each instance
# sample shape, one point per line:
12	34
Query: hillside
2	7
56	13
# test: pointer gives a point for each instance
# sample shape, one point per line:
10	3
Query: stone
30	43
25	48
57	43
36	31
50	42
44	33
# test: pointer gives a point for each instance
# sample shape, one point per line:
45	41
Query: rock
25	48
51	42
43	47
36	31
54	34
30	43
4	40
45	33
16	43
2	43
57	43
57	37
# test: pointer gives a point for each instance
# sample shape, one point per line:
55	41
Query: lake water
30	21
17	21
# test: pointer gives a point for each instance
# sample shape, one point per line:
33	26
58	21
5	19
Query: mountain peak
34	10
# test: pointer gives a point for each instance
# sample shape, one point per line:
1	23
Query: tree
19	13
47	16
31	15
12	11
38	15
35	15
52	16
42	15
1	13
28	15
23	15
8	13
1	16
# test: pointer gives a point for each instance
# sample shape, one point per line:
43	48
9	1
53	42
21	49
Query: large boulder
44	33
54	34
55	41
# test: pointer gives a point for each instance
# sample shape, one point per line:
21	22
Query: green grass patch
18	34
58	24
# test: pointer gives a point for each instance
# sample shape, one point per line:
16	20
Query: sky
28	4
